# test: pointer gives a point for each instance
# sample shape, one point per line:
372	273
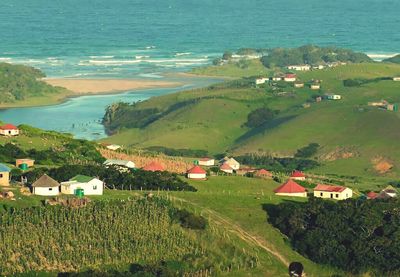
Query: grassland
347	130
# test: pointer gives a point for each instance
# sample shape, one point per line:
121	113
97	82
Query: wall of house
207	163
347	193
46	191
196	176
94	187
9	132
4	178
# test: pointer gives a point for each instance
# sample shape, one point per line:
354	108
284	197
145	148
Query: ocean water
145	38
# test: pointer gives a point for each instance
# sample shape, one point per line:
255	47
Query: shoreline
81	87
99	87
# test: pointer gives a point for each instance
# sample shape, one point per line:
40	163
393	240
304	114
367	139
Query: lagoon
81	116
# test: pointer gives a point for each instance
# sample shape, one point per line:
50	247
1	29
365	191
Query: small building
299	85
9	130
332	192
206	162
4	175
291	188
371	195
89	185
298	175
306	105
46	186
28	162
392	107
391	191
245	170
113	147
315	86
196	173
319	67
318	99
263	173
234	164
290	77
303	67
333	97
277	78
120	163
154	166
226	168
261	81
396	79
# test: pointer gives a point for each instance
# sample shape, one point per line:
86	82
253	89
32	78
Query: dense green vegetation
178	152
354	235
310	54
307	151
19	82
115	178
276	164
260	117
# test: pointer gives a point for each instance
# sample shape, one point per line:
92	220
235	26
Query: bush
190	220
307	151
260	117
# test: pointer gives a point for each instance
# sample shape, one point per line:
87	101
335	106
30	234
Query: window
337	195
321	194
1	175
50	189
94	187
331	195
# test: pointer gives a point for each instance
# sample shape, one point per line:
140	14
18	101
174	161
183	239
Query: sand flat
96	86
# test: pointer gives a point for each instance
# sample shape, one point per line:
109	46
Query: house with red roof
154	166
226	168
332	192
372	195
290	77
206	162
196	173
263	173
9	130
291	188
298	175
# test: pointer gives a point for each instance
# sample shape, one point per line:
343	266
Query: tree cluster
354	235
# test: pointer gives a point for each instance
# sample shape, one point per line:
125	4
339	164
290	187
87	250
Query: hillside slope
213	119
21	86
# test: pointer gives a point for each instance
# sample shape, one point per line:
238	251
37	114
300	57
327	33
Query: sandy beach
97	86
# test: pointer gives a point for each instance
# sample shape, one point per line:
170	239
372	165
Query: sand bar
96	86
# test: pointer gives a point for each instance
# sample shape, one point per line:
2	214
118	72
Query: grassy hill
20	85
213	119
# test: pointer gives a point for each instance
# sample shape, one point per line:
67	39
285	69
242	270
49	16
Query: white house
290	77
396	79
315	86
9	130
277	78
113	147
304	67
120	163
206	162
334	97
234	164
90	185
260	81
299	85
332	192
46	186
197	173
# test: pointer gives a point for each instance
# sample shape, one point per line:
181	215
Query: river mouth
81	116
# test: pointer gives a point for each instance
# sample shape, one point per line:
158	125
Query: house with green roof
4	175
82	183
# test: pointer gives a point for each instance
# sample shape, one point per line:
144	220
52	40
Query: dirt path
239	231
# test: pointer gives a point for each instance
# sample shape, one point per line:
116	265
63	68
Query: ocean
146	38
